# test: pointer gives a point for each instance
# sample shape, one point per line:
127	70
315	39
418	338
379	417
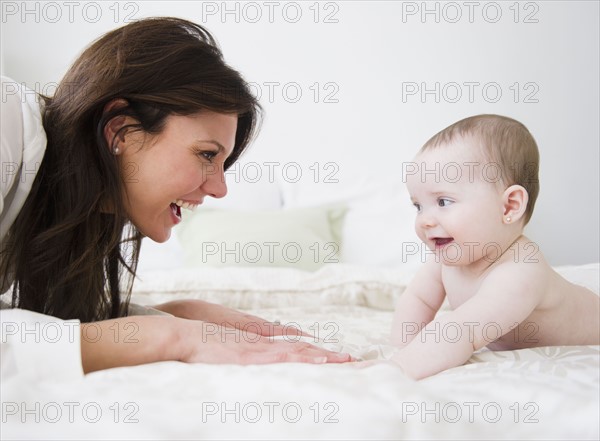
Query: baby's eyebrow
442	193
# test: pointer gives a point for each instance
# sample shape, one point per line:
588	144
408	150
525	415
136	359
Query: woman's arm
128	341
146	339
221	315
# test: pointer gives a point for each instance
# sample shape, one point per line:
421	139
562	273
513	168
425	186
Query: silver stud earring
116	150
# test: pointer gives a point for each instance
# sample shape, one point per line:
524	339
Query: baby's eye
442	202
417	206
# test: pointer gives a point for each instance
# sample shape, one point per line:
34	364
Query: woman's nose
214	182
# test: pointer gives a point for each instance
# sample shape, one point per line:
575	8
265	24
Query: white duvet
543	393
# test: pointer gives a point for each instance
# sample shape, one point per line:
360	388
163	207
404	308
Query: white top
22	147
32	345
27	347
21	150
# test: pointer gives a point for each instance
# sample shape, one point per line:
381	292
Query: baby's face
459	207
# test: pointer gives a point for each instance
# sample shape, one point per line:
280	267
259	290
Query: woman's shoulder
18	97
12	125
22	146
22	127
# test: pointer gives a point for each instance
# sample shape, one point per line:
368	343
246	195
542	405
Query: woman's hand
231	336
210	343
146	339
228	318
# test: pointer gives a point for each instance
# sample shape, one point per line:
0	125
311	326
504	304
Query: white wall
364	57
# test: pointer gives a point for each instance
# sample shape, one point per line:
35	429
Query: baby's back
568	314
565	313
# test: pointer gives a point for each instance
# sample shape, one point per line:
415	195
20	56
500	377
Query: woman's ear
514	201
112	130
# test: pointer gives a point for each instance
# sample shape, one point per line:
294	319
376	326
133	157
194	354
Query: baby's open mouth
441	241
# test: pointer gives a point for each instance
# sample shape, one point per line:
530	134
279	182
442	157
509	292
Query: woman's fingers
285	330
257	325
268	329
221	345
301	352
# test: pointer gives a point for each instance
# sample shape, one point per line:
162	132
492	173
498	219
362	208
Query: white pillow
379	226
303	238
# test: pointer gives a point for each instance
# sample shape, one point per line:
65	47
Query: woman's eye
208	155
444	202
417	206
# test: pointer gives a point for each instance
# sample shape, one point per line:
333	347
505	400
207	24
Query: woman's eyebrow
212	141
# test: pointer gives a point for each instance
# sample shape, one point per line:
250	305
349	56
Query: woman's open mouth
178	204
176	210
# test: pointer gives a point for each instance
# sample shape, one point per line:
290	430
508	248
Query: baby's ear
515	200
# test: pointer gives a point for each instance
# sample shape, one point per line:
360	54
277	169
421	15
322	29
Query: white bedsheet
537	393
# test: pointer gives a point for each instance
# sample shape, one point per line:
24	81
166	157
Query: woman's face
180	166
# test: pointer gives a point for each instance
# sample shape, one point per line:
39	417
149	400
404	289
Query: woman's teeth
186	205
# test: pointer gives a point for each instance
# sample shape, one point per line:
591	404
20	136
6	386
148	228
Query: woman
144	123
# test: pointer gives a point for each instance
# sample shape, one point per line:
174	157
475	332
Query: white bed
350	150
543	393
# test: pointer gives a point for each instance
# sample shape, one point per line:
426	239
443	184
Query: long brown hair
68	258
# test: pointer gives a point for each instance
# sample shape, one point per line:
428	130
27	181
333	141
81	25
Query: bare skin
183	165
222	336
502	292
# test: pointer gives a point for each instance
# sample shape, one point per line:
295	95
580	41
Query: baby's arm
418	305
505	298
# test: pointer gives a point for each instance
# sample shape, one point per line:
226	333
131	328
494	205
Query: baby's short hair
503	141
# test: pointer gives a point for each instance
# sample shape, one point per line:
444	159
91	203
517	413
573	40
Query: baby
474	191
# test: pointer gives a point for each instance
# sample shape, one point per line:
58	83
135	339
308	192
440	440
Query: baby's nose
426	220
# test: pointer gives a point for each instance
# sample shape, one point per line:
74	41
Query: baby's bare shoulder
522	267
525	257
